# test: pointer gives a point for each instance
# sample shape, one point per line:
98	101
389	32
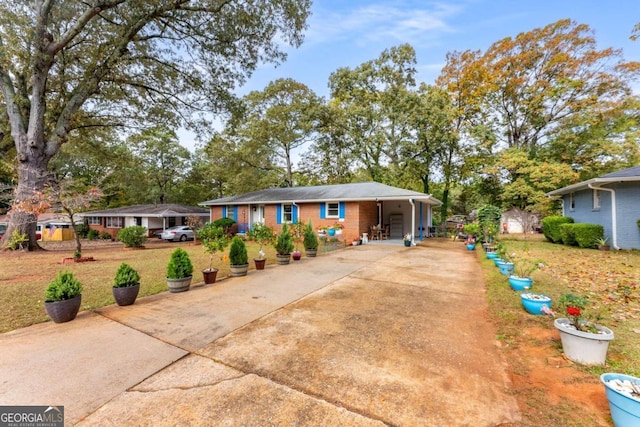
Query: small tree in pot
63	297
238	257
283	245
213	239
310	241
297	235
262	235
179	271
126	285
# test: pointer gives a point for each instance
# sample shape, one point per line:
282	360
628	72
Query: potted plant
179	271
521	278
310	241
283	245
238	257
262	235
406	239
536	303
582	341
213	239
126	285
337	229
472	230
623	394
62	297
297	235
603	244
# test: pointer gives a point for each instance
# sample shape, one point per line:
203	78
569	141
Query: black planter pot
260	263
126	295
63	311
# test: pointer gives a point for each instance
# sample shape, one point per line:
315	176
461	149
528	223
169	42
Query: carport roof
625	175
157	211
363	191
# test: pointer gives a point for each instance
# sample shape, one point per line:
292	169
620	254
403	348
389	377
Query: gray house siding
628	212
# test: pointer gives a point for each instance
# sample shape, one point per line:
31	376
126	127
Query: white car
179	232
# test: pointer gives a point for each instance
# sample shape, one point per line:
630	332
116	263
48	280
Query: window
94	220
333	210
596	199
287	213
572	202
114	222
230	211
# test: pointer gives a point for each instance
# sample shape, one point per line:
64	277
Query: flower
261	254
407	237
573	311
575	306
338	226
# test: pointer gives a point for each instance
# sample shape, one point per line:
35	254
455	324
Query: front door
257	214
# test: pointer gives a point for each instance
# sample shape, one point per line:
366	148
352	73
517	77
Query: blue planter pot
331	231
498	261
492	255
520	283
471	246
625	410
533	305
506	268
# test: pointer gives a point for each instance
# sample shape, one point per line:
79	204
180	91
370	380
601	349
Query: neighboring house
153	217
612	200
50	227
356	206
516	221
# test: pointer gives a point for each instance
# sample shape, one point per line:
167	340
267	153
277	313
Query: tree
65	65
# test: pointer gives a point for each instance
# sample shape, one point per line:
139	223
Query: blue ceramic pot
471	246
625	410
520	283
533	303
506	268
492	255
498	261
331	231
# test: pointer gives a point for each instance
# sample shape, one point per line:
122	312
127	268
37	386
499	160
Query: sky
347	33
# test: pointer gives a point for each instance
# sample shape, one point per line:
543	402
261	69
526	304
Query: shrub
588	235
105	235
82	229
225	223
93	234
17	240
179	265
238	252
471	229
489	220
310	238
133	236
126	276
567	234
63	287
284	243
551	227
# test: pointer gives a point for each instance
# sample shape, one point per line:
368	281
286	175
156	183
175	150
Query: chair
375	233
384	233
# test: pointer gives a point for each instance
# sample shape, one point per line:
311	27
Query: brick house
356	206
153	217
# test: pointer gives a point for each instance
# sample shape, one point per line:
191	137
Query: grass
24	276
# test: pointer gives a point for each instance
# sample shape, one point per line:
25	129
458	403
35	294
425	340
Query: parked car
179	232
3	229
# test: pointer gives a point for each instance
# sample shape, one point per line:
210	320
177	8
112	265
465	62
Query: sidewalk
370	335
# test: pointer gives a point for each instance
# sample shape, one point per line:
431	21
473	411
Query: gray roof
625	175
363	191
159	211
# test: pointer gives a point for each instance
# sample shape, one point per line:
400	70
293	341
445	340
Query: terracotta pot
125	295
63	311
210	275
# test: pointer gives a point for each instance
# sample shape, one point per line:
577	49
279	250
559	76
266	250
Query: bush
238	252
133	236
17	240
179	265
551	227
225	223
63	287
310	238
284	243
567	234
93	234
588	235
82	229
126	276
105	235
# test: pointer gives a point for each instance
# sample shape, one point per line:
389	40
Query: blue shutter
341	209
294	214
224	212
278	214
235	213
323	210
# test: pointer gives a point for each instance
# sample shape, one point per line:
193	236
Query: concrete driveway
377	334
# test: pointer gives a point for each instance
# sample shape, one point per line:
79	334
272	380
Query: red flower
573	311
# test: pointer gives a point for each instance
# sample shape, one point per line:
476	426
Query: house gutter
614	221
413	222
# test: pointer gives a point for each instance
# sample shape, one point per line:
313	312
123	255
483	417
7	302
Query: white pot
338	231
585	348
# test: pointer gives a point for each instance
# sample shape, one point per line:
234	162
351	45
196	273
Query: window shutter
323	210
224	212
294	214
235	213
278	214
341	209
